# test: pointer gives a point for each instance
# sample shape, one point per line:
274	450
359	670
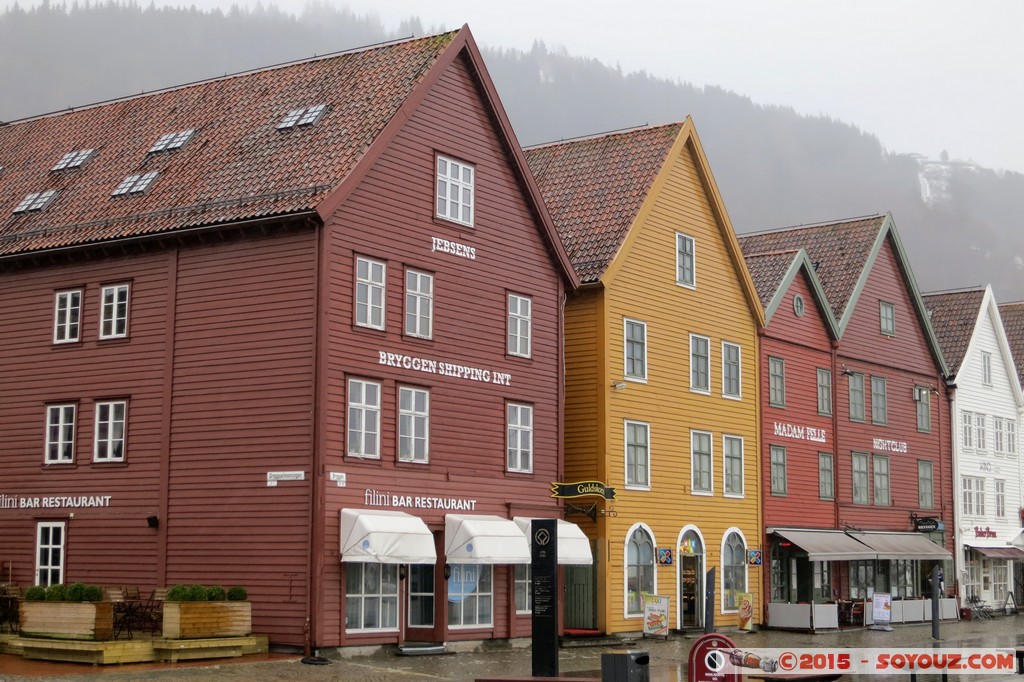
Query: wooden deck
138	650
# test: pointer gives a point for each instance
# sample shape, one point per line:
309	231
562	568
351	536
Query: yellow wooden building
661	378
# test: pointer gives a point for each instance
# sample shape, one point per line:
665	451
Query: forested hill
775	168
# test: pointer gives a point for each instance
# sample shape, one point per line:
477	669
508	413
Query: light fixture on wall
619	385
447	571
847	372
153	521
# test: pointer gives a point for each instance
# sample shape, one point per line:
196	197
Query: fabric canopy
482	539
901	545
1000	552
826	545
385	537
573	545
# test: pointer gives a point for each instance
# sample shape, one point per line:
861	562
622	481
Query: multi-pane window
685	272
73	159
1000	580
856	397
114	312
778	464
67	317
700	363
986	368
925	484
520	325
861	484
60	433
973	495
370	276
135	184
636	350
171	141
923	402
879	401
110	431
371	596
421	595
824	391
523	588
734	571
967	429
1010	429
364	401
826	473
471	595
306	116
419	304
50	540
731	378
1000	491
36	201
520	437
998	435
882	498
979	431
638	454
862	579
701	461
413	424
454	191
776	382
639	570
732	465
887	314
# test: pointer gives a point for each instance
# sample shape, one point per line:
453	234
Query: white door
50	553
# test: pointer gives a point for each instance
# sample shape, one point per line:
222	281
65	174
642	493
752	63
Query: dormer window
36	201
135	184
306	116
172	141
73	159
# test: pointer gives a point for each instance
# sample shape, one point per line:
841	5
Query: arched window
639	570
734	571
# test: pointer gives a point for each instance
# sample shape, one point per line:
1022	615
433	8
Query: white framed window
824	391
826	474
371	596
172	141
455	189
925	484
470	595
882	498
879	401
732	378
998	435
519	420
1000	495
50	541
686	274
887	316
640	577
861	484
364	404
776	382
413	424
304	116
419	304
778	464
701	463
734	570
986	368
732	466
1010	440
520	325
60	434
114	312
973	495
135	184
67	316
36	201
638	454
523	588
923	405
636	350
700	364
111	423
857	397
73	159
967	429
370	292
979	431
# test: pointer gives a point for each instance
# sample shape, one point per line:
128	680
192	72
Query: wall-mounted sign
810	433
664	556
382	498
583	489
339	477
445	369
54	501
755	557
926	525
454	248
889	445
985	532
274	476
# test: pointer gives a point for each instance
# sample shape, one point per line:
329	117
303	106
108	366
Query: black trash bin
625	666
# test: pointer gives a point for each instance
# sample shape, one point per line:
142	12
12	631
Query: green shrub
237	593
177	593
92	593
76	592
56	593
216	593
35	593
196	593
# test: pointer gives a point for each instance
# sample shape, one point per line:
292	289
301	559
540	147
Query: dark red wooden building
296	329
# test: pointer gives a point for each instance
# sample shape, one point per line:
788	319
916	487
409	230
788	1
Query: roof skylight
135	184
36	201
73	159
306	116
172	141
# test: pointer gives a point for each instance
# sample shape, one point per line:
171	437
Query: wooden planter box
202	619
67	620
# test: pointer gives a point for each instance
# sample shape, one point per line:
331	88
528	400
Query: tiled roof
594	188
237	166
953	316
1013	322
839	251
768	270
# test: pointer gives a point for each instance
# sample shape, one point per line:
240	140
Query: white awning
825	545
482	539
573	545
901	545
385	537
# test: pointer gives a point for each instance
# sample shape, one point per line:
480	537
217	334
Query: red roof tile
237	166
953	316
1013	323
768	270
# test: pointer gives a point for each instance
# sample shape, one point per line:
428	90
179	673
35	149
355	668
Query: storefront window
903	578
822	580
734	570
862	579
371	596
470	595
1000	581
780	586
639	570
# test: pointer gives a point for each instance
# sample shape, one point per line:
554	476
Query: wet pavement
668	659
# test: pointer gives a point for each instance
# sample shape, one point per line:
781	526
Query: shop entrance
691	581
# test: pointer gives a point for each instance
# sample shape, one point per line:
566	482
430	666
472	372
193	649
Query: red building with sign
857	467
297	330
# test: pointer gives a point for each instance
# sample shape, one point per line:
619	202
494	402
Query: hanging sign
583	489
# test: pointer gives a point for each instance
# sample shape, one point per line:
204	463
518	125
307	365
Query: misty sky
922	75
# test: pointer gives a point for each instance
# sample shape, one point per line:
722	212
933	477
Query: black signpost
544	577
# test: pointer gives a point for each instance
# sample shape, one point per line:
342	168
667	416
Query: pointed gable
1012	315
774	273
954	316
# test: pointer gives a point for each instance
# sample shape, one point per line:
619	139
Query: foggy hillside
775	168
